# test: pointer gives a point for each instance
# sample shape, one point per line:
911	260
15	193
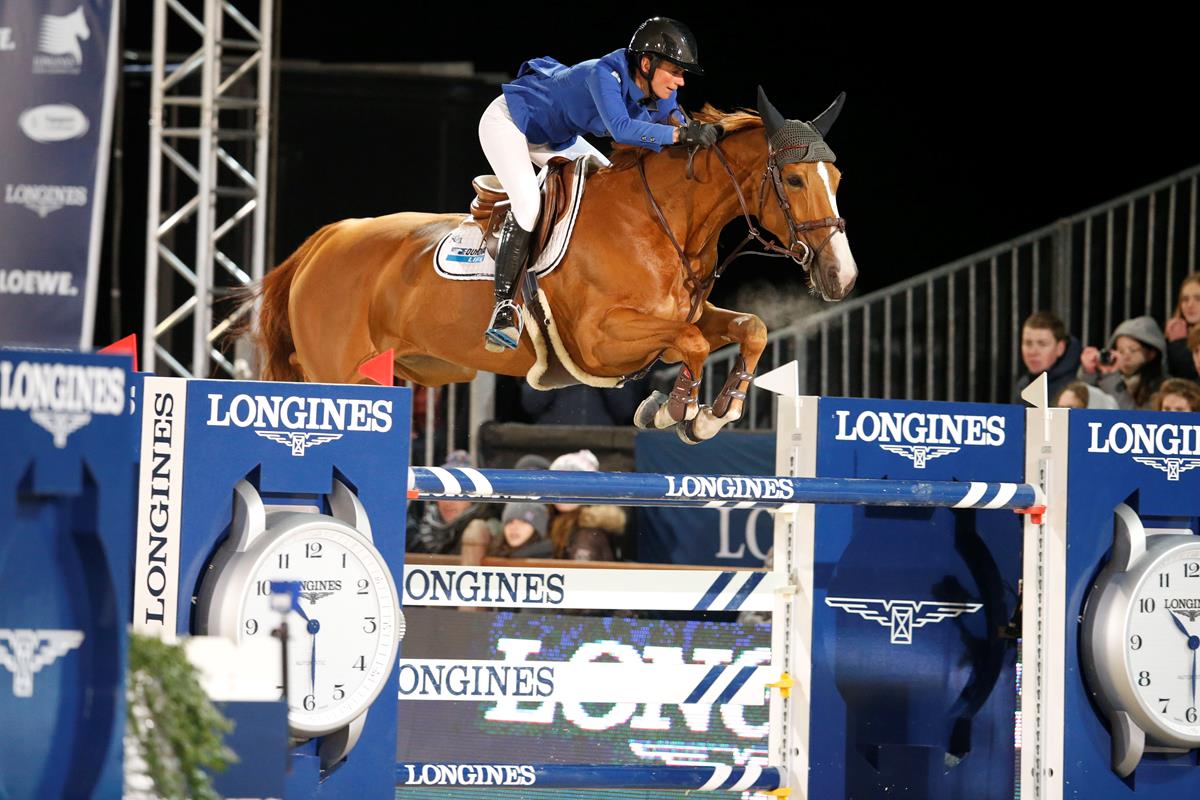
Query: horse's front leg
720	327
628	336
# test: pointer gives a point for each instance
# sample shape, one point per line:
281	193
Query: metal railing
953	333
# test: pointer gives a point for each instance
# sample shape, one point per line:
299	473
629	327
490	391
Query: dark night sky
956	134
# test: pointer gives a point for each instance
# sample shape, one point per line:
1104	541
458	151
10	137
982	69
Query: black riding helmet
659	38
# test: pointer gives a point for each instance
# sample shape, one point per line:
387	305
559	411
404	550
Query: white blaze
839	244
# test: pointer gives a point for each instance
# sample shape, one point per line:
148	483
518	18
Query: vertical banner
58	72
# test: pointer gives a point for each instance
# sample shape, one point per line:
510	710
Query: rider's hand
698	134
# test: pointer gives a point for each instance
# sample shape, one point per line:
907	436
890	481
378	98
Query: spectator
440	528
524	532
1180	328
1135	367
1193	346
532	461
1046	347
1080	395
584	405
584	533
1176	394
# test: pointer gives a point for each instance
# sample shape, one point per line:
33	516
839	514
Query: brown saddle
491	203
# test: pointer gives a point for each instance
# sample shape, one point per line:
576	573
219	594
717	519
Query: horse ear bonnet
793	141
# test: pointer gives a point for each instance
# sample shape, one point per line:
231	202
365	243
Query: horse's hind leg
721	327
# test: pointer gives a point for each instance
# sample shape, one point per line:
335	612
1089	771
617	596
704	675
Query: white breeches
512	158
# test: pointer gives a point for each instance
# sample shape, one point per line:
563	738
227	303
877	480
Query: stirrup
497	336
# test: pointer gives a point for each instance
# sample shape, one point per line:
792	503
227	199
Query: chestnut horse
633	286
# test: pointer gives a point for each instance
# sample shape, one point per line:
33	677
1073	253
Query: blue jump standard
588	776
707	491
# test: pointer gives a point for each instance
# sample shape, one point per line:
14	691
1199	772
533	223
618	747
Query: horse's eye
795	180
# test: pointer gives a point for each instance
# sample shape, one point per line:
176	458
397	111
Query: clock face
1162	641
343	630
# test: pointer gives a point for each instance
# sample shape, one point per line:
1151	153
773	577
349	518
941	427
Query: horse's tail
273	334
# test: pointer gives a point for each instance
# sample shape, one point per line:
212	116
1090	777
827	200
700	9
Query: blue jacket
552	103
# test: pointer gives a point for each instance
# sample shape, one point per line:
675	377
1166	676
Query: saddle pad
462	256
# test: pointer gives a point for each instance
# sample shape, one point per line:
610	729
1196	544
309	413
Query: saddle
491	204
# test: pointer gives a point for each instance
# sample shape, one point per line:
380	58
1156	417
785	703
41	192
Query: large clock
344	627
1141	641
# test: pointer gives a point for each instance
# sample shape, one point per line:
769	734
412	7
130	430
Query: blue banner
726	537
66	501
914	656
58	70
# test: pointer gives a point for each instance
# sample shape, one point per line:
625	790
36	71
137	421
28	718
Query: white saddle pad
462	256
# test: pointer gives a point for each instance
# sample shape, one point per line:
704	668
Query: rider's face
666	79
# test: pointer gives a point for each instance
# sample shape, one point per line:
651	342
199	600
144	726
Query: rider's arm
606	92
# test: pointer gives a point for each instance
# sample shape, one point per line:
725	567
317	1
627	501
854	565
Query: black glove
699	134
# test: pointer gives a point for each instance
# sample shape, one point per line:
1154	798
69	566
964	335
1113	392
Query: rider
628	94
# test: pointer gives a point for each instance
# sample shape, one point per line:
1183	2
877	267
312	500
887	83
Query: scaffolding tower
207	210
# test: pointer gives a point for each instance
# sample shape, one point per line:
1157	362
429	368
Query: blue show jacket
552	103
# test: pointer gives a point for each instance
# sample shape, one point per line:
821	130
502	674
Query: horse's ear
829	116
772	119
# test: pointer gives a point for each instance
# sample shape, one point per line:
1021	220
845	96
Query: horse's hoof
687	433
643	418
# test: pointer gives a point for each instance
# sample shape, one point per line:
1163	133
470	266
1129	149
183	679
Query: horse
632	288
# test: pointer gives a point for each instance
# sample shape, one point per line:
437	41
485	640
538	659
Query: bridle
698	287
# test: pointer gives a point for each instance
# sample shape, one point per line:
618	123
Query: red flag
124	347
379	369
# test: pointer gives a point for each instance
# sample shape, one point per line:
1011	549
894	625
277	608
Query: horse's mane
624	156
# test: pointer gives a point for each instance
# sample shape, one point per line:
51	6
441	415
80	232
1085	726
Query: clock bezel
1106	627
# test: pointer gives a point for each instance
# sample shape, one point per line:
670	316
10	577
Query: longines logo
917	436
61	397
299	441
44	200
902	616
312	591
470	775
729	486
919	454
1184	606
24	651
300	422
1164	446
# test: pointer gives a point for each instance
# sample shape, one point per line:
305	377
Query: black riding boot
504	328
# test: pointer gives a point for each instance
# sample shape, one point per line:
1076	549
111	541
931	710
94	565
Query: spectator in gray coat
1134	370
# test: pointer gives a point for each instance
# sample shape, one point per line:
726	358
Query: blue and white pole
709	778
706	491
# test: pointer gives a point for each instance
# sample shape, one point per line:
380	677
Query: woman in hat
1134	369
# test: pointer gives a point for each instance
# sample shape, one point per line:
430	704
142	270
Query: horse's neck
699	208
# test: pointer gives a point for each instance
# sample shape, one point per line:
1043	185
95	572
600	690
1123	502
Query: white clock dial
343	630
1162	637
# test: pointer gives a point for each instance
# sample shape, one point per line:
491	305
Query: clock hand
300	610
1179	624
313	627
